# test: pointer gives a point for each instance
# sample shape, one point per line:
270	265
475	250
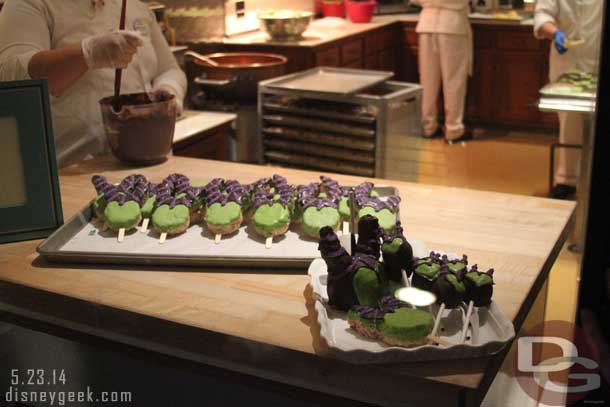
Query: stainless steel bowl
285	25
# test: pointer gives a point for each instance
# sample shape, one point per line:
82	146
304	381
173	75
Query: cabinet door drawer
351	51
517	41
371	62
354	64
387	39
371	43
328	57
410	36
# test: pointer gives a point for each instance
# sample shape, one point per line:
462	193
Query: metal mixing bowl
285	25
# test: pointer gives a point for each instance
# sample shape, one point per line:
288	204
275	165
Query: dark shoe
437	134
562	191
463	138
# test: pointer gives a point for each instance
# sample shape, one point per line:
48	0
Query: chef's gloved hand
111	50
559	39
163	92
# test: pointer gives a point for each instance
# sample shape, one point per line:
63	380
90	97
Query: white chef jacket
577	19
444	17
30	26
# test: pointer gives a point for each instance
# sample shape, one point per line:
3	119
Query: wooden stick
104	227
345	228
144	228
467	321
269	242
439	340
162	238
217	238
437	320
121	236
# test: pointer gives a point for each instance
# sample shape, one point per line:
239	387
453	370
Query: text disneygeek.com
64	398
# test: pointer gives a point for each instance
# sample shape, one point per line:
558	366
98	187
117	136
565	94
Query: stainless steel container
285	25
346	133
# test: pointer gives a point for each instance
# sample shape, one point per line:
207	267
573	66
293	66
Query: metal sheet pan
338	81
80	241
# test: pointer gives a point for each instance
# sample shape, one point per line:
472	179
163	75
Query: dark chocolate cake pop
479	286
340	289
369	236
449	288
426	270
397	255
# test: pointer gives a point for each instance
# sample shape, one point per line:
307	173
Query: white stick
405	279
437	321
467	321
121	236
345	228
144	228
162	238
269	242
217	238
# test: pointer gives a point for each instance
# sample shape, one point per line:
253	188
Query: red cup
333	9
361	11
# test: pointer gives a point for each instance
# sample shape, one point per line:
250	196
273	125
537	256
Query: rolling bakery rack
336	119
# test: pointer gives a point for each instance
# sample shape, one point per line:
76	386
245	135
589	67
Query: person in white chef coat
76	45
558	21
445	58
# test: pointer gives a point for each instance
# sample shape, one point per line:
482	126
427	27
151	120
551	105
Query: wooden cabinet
509	69
328	57
351	52
210	144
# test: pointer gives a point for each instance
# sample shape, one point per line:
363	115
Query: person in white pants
558	20
445	57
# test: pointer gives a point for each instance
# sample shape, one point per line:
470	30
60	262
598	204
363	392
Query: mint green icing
367	287
408	324
322	195
99	204
456	266
387	219
393	246
374	194
165	219
271	218
458	285
344	207
216	214
125	216
479	279
148	207
427	270
314	219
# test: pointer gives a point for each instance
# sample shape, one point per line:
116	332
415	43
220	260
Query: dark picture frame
26	104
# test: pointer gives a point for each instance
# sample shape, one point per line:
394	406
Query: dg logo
555	364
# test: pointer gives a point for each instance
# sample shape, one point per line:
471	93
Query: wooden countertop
264	324
327	30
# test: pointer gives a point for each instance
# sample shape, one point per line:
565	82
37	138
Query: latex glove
559	39
111	50
163	92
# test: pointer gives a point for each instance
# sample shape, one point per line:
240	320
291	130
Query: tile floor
499	160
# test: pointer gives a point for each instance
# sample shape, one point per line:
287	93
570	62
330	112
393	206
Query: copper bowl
237	74
142	132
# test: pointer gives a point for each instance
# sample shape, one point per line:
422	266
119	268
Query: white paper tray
493	333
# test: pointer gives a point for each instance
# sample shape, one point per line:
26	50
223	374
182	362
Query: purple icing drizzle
263	195
363	197
308	194
387	305
175	184
223	192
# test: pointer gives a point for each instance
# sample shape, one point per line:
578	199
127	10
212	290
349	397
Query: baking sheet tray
81	241
339	81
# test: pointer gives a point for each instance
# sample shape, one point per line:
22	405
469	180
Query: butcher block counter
263	323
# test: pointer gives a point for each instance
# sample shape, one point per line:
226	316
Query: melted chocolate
401	259
369	235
